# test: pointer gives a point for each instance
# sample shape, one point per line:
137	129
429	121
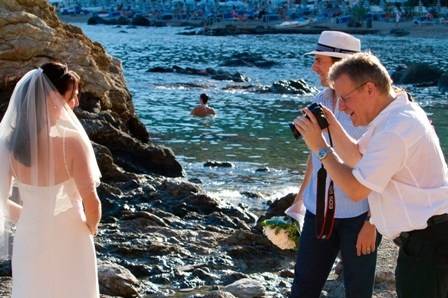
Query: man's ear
371	88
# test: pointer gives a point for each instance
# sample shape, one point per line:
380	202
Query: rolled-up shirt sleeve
383	157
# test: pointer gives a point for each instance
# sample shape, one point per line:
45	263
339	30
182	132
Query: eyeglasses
344	98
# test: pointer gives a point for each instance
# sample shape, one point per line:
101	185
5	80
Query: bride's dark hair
62	79
59	75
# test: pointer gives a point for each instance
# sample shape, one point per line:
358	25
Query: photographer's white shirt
404	166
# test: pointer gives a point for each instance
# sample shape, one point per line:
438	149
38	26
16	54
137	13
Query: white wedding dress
46	152
53	251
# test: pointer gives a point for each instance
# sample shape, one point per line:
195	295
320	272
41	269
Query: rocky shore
160	235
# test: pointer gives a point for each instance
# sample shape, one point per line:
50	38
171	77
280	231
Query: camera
318	112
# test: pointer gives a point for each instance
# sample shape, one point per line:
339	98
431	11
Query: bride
48	156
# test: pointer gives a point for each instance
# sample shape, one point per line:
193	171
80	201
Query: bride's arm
86	186
14	211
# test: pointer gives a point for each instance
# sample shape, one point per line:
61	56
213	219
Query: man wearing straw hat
332	222
398	164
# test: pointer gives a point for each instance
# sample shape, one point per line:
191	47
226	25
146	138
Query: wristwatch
323	152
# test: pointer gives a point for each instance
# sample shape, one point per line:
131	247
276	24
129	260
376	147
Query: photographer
344	227
397	163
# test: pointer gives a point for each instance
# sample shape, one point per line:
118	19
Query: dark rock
132	154
205	275
160	69
219	219
218	294
219	164
264	169
248	59
251	195
109	170
140	21
143	219
291	87
90	102
399	32
116	280
286	273
195	180
5	286
120	21
417	73
230	276
277	208
95	20
214	74
177	187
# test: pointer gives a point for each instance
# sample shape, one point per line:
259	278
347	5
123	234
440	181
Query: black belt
434	220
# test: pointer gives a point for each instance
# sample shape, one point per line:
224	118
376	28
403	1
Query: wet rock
5	286
251	195
140	21
385	277
116	280
246	288
220	75
219	164
230	276
416	73
95	20
132	154
291	87
280	87
248	59
399	32
143	219
227	76
177	187
218	294
219	219
277	208
263	170
109	170
195	180
205	275
185	85
286	273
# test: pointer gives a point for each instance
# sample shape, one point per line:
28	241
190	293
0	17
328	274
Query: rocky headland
160	235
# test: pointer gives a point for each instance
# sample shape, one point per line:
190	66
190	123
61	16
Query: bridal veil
34	134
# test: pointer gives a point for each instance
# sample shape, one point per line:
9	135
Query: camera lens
295	132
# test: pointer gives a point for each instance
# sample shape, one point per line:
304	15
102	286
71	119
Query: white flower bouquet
282	231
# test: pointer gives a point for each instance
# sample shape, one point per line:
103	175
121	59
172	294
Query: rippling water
251	129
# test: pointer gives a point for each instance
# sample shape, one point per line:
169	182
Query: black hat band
324	48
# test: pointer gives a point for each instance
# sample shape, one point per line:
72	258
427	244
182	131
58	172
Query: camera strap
324	216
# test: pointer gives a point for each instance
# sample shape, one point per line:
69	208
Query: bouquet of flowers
282	231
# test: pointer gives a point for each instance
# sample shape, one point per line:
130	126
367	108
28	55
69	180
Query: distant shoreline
439	31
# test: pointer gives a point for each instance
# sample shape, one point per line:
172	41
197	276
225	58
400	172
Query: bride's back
50	168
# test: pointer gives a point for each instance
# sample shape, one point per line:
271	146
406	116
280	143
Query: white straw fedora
336	44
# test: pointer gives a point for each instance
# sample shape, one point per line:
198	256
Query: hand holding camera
318	112
310	126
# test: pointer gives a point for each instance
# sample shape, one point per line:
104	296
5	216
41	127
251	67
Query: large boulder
32	34
115	280
417	73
